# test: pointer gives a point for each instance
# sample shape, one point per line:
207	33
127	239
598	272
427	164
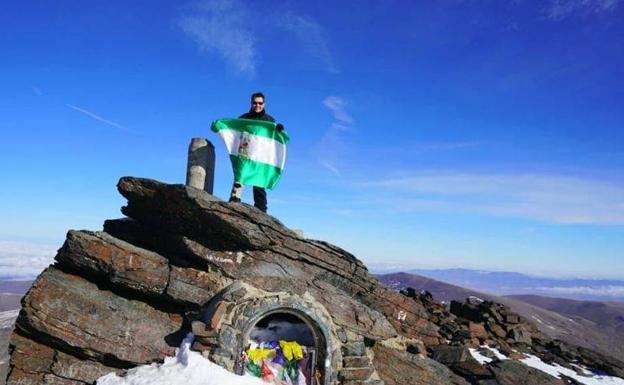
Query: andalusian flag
257	150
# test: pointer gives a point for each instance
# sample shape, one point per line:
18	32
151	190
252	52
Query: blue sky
452	133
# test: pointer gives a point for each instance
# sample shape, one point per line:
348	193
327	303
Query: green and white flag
257	150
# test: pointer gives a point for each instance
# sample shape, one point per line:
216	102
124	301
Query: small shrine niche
285	347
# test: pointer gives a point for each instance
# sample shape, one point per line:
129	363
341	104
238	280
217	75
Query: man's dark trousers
260	198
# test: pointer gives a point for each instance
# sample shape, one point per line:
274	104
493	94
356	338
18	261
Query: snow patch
479	357
496	352
482	359
542	322
7	318
556	370
186	368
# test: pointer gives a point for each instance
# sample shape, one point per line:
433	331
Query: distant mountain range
508	283
15	287
597	325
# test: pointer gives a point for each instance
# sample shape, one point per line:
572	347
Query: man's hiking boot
234	199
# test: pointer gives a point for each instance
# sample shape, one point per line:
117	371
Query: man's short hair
257	95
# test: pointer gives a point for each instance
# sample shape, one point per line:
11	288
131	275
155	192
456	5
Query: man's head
257	102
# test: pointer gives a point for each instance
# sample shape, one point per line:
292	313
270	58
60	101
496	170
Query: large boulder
73	314
511	372
398	367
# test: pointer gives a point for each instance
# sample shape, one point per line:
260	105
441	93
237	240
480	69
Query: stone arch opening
290	325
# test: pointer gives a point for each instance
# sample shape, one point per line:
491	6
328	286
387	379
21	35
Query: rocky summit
184	261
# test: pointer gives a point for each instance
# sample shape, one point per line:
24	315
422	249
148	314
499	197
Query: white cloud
222	27
232	30
549	198
606	291
337	106
310	33
333	145
97	117
561	9
24	260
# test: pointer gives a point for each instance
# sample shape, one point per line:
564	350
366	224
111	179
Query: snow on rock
479	357
482	359
186	368
556	370
497	353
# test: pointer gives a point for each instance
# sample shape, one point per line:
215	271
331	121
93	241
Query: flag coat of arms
257	150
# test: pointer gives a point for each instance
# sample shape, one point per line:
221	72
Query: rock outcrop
183	260
475	323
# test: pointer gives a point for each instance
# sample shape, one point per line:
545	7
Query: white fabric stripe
231	139
260	148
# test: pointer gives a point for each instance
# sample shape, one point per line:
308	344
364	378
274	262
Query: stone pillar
201	164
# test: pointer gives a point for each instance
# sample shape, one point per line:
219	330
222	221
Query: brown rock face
117	261
396	367
73	313
35	363
477	330
192	286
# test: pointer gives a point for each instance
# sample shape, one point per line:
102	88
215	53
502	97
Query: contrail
97	117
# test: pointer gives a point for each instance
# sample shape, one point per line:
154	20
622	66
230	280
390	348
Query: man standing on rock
256	112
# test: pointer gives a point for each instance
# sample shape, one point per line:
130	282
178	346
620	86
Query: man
257	112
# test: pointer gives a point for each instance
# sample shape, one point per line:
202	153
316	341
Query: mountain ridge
584	331
508	283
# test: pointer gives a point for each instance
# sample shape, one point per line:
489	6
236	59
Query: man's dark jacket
260	199
262	115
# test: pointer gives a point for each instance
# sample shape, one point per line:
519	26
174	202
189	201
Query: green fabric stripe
248	172
254	127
